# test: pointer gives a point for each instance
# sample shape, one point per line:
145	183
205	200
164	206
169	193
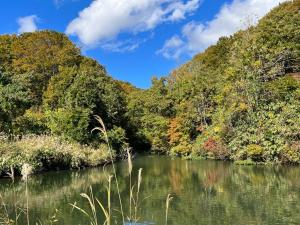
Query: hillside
239	100
47	86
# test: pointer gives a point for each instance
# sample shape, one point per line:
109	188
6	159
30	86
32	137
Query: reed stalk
129	160
103	130
137	194
168	200
26	171
109	201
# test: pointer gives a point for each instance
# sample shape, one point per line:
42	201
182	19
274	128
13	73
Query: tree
41	54
76	94
14	100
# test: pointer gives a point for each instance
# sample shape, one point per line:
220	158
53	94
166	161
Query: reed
168	200
137	194
94	204
56	152
109	201
4	215
90	198
132	200
26	171
129	160
103	130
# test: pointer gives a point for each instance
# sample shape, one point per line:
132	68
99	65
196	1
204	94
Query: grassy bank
48	153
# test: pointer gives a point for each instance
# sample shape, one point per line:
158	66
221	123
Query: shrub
11	157
291	153
247	162
48	153
118	140
183	149
215	147
255	152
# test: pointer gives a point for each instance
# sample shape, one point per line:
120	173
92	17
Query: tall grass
134	200
48	152
129	160
168	200
92	213
26	171
103	130
5	219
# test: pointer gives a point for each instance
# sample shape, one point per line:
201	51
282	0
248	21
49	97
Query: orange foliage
216	148
174	131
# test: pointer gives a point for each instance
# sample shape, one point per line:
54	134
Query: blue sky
135	39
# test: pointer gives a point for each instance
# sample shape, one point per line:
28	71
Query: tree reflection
205	192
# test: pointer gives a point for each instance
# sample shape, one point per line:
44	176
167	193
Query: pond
204	192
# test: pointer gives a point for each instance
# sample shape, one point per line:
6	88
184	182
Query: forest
239	101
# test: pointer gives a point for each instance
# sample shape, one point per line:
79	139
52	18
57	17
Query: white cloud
237	15
121	46
104	20
27	24
172	48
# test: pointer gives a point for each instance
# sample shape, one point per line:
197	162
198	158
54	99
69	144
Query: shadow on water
205	192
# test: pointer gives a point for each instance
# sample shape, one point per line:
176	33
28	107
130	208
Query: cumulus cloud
104	20
237	15
27	24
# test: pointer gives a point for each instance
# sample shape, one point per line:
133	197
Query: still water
204	192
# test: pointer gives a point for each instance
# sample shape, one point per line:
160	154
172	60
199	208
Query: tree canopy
238	100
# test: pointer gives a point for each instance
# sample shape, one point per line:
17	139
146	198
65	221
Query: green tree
76	94
14	100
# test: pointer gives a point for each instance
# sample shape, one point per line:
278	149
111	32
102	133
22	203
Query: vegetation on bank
56	152
48	153
239	100
49	95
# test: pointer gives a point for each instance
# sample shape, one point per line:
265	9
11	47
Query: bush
211	147
291	154
48	153
247	162
32	122
118	140
183	149
215	147
251	152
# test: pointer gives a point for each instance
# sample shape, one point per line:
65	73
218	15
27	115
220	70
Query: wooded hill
239	100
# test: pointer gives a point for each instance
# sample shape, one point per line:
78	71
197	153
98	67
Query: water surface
204	192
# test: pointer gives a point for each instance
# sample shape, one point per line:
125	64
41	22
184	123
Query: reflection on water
205	192
143	223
